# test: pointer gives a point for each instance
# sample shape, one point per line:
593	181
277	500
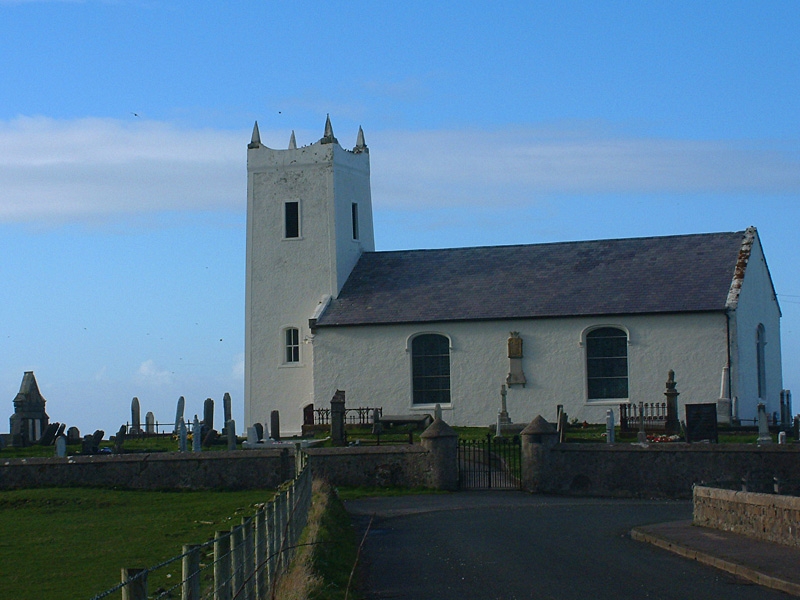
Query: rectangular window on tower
291	220
354	208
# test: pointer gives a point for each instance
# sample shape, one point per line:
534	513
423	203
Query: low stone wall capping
768	517
244	469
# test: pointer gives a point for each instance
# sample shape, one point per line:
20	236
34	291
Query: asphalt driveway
513	545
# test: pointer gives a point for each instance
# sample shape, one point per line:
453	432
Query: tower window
354	211
291	220
292	346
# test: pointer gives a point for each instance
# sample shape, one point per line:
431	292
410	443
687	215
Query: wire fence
244	563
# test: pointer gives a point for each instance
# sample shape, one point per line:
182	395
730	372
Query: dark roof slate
685	273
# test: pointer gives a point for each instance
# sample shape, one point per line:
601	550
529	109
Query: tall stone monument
136	418
29	420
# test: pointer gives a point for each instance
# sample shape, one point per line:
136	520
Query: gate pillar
442	442
537	439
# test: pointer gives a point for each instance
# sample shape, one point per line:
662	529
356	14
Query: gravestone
91	443
197	435
179	413
208	414
119	440
610	426
230	430
641	435
701	422
764	436
259	431
49	435
503	418
150	423
377	428
252	435
275	425
672	426
226	407
73	435
338	432
61	429
61	446
182	435
210	437
136	422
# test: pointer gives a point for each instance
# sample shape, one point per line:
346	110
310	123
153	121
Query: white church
587	325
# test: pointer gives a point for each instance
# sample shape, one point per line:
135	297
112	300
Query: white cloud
237	371
79	170
469	168
150	374
89	169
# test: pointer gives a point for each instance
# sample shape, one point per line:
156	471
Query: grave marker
701	422
136	423
61	446
179	413
150	423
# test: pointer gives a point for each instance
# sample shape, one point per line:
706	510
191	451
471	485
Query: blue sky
124	125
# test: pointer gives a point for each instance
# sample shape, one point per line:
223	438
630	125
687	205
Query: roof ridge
561	243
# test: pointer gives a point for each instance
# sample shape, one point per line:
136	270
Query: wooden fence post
190	572
137	588
222	564
272	542
237	560
249	558
260	559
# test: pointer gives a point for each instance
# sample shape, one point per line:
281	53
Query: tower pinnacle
255	140
327	137
361	145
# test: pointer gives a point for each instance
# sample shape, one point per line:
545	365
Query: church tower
309	218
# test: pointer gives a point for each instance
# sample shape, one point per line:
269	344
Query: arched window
607	363
291	347
761	371
430	369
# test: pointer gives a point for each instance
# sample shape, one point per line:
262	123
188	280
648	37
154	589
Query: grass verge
72	542
327	553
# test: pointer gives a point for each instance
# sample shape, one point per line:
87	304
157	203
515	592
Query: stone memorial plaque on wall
701	422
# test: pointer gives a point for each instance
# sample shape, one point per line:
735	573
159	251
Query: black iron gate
490	463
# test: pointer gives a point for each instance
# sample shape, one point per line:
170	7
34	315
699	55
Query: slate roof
685	273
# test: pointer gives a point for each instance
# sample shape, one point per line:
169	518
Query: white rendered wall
757	304
372	364
288	278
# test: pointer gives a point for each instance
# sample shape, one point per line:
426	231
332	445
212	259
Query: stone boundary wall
373	466
378	466
655	471
239	470
767	517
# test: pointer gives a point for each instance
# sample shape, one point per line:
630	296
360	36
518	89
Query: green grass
354	493
334	553
72	543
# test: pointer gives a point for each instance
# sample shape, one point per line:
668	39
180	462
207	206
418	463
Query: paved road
512	545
